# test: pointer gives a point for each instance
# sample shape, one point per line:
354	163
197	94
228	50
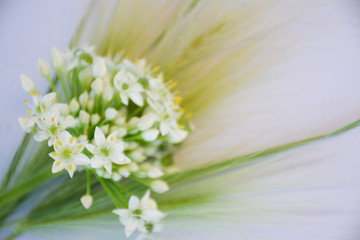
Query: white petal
152	215
49	98
41	136
121	212
164	128
107	165
71	168
120	159
134	203
124	98
91	148
81	159
96	162
99	137
150	135
146	122
137	98
130	227
57	166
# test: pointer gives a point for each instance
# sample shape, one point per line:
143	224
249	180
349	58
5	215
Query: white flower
68	154
107	151
86	201
51	125
41	105
128	87
141	215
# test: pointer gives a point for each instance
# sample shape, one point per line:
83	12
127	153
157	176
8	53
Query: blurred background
28	31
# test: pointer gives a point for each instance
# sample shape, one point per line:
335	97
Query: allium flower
107	150
52	125
273	90
67	154
141	215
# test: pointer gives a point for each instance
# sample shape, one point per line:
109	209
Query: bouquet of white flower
192	120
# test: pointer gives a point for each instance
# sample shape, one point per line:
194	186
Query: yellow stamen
32	92
56	146
70	167
71	140
52	119
28	111
53	100
58	163
25	101
111	139
54	154
80	146
38	92
58	142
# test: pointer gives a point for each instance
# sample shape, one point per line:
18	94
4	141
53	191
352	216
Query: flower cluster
115	118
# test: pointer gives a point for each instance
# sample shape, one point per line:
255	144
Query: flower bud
150	135
84	117
26	125
99	68
86	201
27	84
97	86
57	59
154	172
44	69
74	106
95	119
108	93
85	77
110	113
116	177
90	105
159	186
83	99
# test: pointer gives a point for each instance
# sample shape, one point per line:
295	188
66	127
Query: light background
28	31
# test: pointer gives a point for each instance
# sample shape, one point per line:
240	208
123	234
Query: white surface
28	31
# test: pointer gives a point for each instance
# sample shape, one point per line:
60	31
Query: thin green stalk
107	188
88	179
63	85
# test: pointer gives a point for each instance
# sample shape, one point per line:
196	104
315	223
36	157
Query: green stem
88	178
107	188
63	85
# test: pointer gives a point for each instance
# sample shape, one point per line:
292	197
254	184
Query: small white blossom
128	87
141	214
67	154
51	125
107	151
